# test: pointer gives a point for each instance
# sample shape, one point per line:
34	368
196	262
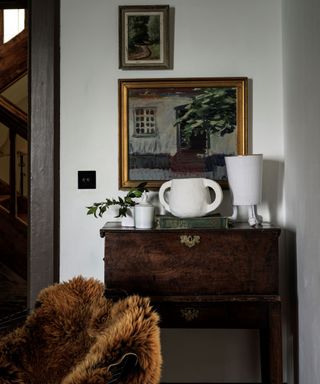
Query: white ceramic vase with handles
190	197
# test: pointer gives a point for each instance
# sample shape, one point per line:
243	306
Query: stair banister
12	177
16	120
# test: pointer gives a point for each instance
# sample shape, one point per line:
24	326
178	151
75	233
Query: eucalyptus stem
98	209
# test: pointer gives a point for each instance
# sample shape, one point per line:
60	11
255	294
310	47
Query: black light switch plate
86	179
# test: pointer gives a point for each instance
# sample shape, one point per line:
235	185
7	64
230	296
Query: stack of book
213	222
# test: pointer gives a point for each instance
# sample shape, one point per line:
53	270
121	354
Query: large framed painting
180	128
144	37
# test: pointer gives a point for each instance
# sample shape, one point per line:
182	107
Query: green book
169	221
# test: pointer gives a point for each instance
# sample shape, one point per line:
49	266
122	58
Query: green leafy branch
211	111
98	209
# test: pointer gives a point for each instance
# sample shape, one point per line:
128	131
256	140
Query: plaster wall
212	38
301	29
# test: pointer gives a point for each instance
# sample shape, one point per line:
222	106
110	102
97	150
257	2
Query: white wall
301	26
211	38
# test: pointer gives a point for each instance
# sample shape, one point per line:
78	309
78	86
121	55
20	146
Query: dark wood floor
13	294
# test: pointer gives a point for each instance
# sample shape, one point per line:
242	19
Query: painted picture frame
144	37
178	128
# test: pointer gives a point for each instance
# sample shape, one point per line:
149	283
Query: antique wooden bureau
203	278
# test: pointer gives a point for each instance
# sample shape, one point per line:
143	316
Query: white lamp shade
245	178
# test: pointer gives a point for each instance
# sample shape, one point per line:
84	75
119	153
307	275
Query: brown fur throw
75	336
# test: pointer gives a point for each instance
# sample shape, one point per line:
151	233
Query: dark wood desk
204	278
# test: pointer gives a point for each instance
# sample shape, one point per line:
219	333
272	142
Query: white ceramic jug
190	197
144	213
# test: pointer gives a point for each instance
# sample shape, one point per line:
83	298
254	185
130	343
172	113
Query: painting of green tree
212	111
144	37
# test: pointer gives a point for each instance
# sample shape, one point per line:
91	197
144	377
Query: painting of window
144	122
180	128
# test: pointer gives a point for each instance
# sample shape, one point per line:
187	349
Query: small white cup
143	216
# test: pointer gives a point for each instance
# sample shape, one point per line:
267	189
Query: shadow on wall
272	190
272	198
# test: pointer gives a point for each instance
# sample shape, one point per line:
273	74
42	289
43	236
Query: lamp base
253	218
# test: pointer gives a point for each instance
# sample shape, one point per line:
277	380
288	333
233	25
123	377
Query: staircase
12	292
13	59
22	202
13	199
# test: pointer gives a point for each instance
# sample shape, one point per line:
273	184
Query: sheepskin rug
75	335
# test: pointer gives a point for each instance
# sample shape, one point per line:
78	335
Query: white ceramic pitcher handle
162	191
217	190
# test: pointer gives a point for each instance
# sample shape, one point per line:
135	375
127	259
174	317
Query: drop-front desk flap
239	260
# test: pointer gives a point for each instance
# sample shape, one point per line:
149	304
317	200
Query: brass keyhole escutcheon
189	240
189	314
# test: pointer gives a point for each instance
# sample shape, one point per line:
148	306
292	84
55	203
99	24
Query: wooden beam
1	27
13	117
13	4
13	59
43	268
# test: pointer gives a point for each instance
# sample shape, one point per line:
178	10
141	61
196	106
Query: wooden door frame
44	145
44	141
13	4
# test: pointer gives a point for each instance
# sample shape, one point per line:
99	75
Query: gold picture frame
144	41
182	127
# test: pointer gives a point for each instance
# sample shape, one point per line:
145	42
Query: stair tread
23	217
4	197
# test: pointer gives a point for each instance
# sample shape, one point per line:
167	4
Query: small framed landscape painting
144	37
180	128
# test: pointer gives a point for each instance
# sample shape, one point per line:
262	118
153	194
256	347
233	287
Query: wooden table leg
275	343
271	346
264	356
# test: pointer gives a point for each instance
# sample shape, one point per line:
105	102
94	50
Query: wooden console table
203	278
